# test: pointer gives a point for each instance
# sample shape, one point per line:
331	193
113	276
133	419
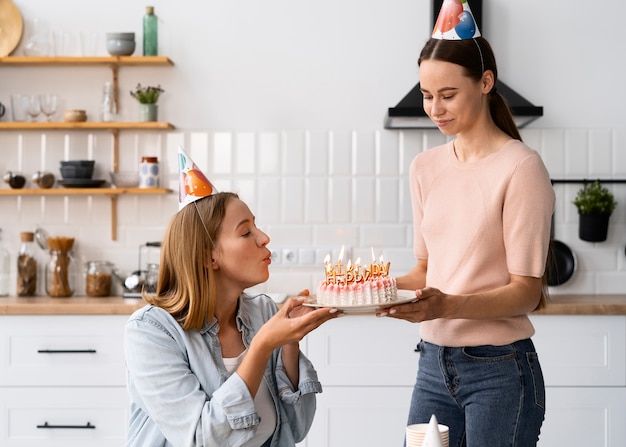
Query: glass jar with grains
98	281
26	266
60	271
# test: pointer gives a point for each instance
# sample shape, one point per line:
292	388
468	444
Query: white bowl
125	179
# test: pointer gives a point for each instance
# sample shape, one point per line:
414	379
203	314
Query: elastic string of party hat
203	224
482	63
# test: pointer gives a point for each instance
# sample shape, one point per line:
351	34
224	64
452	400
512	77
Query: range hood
409	113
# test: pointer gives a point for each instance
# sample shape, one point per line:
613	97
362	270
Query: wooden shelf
111	193
83	191
87	125
114	63
84	61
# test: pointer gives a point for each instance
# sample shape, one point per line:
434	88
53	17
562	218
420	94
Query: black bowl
78	162
70	172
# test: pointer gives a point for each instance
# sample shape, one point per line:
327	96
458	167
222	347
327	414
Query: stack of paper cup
419	435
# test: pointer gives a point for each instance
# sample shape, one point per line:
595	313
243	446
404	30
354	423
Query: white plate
404	296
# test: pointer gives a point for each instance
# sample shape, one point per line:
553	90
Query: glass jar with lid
98	278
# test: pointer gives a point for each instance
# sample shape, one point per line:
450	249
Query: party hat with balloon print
193	184
455	21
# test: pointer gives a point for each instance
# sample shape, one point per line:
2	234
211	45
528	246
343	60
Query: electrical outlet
290	256
276	256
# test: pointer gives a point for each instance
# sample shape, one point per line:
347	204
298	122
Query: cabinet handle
88	426
66	351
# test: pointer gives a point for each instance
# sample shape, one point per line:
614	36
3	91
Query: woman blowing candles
482	205
209	365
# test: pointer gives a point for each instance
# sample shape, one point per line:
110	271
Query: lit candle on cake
384	268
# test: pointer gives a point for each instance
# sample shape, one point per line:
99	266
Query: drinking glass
34	108
48	105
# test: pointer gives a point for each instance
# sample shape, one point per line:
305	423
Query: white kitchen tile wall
308	189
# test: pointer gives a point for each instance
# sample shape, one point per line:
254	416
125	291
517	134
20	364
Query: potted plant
147	97
595	205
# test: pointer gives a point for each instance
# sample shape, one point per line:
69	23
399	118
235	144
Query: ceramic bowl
125	179
76	171
120	44
77	162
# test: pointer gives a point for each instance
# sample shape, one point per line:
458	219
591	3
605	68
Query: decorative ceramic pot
148	112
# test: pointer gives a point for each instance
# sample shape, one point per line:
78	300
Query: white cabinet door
360	416
63	417
581	350
583	417
363	350
49	350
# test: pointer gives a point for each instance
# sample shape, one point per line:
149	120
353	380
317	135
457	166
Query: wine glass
34	108
48	105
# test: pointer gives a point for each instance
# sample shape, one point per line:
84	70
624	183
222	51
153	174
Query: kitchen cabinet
584	364
114	63
367	367
62	380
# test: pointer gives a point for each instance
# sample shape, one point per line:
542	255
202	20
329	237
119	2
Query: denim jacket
181	394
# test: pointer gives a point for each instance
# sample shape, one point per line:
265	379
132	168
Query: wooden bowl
74	116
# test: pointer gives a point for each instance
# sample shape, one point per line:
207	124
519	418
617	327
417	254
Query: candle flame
373	255
341	254
326	259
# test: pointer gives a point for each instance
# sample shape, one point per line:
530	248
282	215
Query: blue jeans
488	395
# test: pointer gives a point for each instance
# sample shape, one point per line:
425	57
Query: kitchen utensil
41	237
133	283
2	110
12	26
561	263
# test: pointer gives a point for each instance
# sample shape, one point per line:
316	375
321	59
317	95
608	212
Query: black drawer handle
88	426
66	351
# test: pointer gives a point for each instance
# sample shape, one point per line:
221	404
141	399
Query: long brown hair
185	288
475	56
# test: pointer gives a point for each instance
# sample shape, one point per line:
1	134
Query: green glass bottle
150	33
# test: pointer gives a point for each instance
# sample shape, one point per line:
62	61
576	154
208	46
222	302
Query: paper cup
416	433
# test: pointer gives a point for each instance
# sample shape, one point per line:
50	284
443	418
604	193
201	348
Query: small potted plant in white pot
147	98
595	205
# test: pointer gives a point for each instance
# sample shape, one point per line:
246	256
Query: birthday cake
354	285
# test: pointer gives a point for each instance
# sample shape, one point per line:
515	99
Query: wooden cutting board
11	27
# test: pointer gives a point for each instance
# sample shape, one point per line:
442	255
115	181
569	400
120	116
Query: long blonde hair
186	288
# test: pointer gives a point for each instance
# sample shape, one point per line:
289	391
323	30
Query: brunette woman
482	206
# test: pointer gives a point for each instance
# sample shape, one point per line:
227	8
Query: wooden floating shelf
111	193
113	63
87	125
82	61
83	191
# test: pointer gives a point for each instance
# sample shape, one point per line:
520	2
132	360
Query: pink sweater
477	223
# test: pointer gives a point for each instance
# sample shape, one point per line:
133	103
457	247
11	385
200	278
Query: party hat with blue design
455	21
193	184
